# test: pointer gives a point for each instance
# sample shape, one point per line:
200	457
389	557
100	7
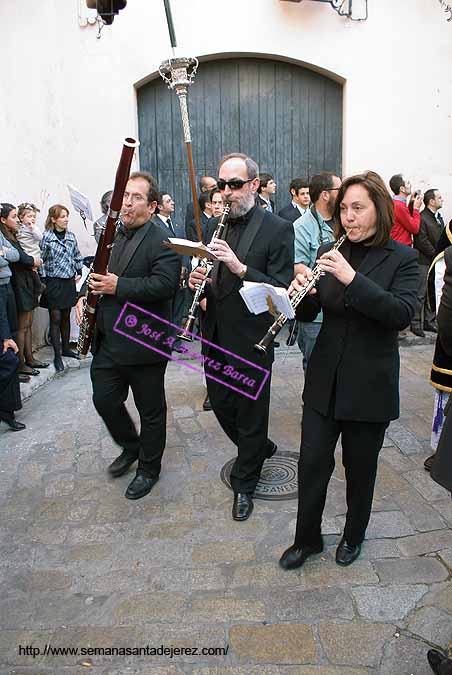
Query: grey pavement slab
80	566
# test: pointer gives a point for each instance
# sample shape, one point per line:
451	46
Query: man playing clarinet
258	247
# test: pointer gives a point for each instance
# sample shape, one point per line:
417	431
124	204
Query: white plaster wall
68	99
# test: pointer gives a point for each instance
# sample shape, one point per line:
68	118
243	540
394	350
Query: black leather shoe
14	425
207	406
70	354
439	663
417	330
24	378
271	449
346	553
430	328
58	363
243	506
140	486
121	465
30	371
295	556
428	462
37	364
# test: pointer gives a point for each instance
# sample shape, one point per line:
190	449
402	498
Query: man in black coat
441	470
164	218
206	184
425	242
205	209
300	200
259	248
144	272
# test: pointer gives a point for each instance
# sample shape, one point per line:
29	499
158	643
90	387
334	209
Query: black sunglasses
235	184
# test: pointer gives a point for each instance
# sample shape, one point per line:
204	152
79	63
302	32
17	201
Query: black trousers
361	444
111	384
245	422
9	385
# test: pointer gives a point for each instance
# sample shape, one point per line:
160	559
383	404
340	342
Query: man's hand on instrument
335	263
79	311
10	344
197	277
103	284
300	281
225	253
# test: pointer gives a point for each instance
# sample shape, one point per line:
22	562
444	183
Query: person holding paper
258	247
368	294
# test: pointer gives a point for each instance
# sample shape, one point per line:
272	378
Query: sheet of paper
80	202
258	297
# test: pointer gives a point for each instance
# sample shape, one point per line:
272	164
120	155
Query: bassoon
100	262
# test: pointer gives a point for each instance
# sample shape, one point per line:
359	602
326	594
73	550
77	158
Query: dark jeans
361	444
111	384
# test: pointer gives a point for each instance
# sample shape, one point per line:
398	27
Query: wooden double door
286	117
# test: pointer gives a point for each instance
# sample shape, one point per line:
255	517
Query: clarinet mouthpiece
258	347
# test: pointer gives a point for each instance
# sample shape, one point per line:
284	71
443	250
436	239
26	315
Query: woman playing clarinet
368	294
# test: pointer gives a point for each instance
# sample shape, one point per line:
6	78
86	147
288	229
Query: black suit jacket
149	279
427	238
290	212
179	232
263	203
356	353
267	248
191	228
189	214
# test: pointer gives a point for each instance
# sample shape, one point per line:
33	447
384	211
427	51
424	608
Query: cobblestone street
81	566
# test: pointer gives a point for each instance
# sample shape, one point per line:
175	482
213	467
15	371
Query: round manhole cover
279	476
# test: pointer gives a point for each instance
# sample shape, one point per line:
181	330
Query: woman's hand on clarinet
79	311
225	253
335	263
301	280
197	277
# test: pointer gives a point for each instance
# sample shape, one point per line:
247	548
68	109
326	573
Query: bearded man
258	247
312	230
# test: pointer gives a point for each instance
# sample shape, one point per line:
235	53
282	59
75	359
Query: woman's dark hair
5	210
378	193
55	212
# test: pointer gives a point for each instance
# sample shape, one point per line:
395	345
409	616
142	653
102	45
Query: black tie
170	226
439	218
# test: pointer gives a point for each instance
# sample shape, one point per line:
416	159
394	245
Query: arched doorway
285	116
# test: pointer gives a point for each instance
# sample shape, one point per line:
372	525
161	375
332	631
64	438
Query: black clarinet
206	264
295	300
